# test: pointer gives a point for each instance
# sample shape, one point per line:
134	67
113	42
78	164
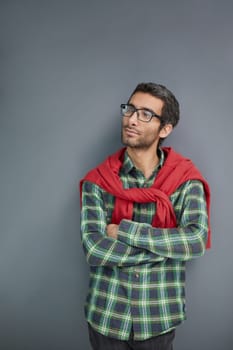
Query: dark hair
170	110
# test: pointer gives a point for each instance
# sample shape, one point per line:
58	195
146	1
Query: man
145	211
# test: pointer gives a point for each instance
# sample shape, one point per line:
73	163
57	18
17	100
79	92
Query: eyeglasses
143	114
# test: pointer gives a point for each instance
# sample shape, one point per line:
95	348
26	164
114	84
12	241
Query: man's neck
144	160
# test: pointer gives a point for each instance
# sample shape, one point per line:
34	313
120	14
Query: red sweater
175	171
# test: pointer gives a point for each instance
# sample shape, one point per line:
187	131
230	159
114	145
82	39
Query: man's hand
112	230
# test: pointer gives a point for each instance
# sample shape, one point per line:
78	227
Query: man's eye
130	109
126	109
146	113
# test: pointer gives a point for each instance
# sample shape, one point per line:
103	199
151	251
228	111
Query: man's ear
165	131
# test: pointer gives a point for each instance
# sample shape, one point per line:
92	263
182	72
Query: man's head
151	107
170	110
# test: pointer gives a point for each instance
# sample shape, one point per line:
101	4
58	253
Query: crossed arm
132	243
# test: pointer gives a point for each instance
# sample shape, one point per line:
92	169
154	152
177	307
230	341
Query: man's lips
131	132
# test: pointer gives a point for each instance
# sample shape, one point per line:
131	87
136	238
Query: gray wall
65	68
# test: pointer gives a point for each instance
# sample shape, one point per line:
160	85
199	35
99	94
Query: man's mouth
131	132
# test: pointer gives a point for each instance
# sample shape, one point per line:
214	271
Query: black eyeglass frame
134	109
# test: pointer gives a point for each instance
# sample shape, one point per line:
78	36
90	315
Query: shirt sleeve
186	241
101	250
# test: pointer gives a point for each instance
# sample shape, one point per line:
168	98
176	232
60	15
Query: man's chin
133	145
130	143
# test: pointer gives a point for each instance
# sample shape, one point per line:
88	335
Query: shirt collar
128	165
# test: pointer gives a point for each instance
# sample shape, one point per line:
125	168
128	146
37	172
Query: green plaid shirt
137	281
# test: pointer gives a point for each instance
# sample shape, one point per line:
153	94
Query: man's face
139	134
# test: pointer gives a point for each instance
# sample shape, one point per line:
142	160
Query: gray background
65	68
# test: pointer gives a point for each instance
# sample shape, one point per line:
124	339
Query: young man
145	212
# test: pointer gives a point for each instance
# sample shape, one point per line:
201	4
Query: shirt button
137	275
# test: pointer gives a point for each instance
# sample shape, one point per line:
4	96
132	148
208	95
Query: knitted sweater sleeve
101	250
184	242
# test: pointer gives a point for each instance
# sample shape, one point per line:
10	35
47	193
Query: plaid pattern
137	282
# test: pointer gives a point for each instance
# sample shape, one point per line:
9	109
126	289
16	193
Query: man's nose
133	119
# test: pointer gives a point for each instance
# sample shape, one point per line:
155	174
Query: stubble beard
141	143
